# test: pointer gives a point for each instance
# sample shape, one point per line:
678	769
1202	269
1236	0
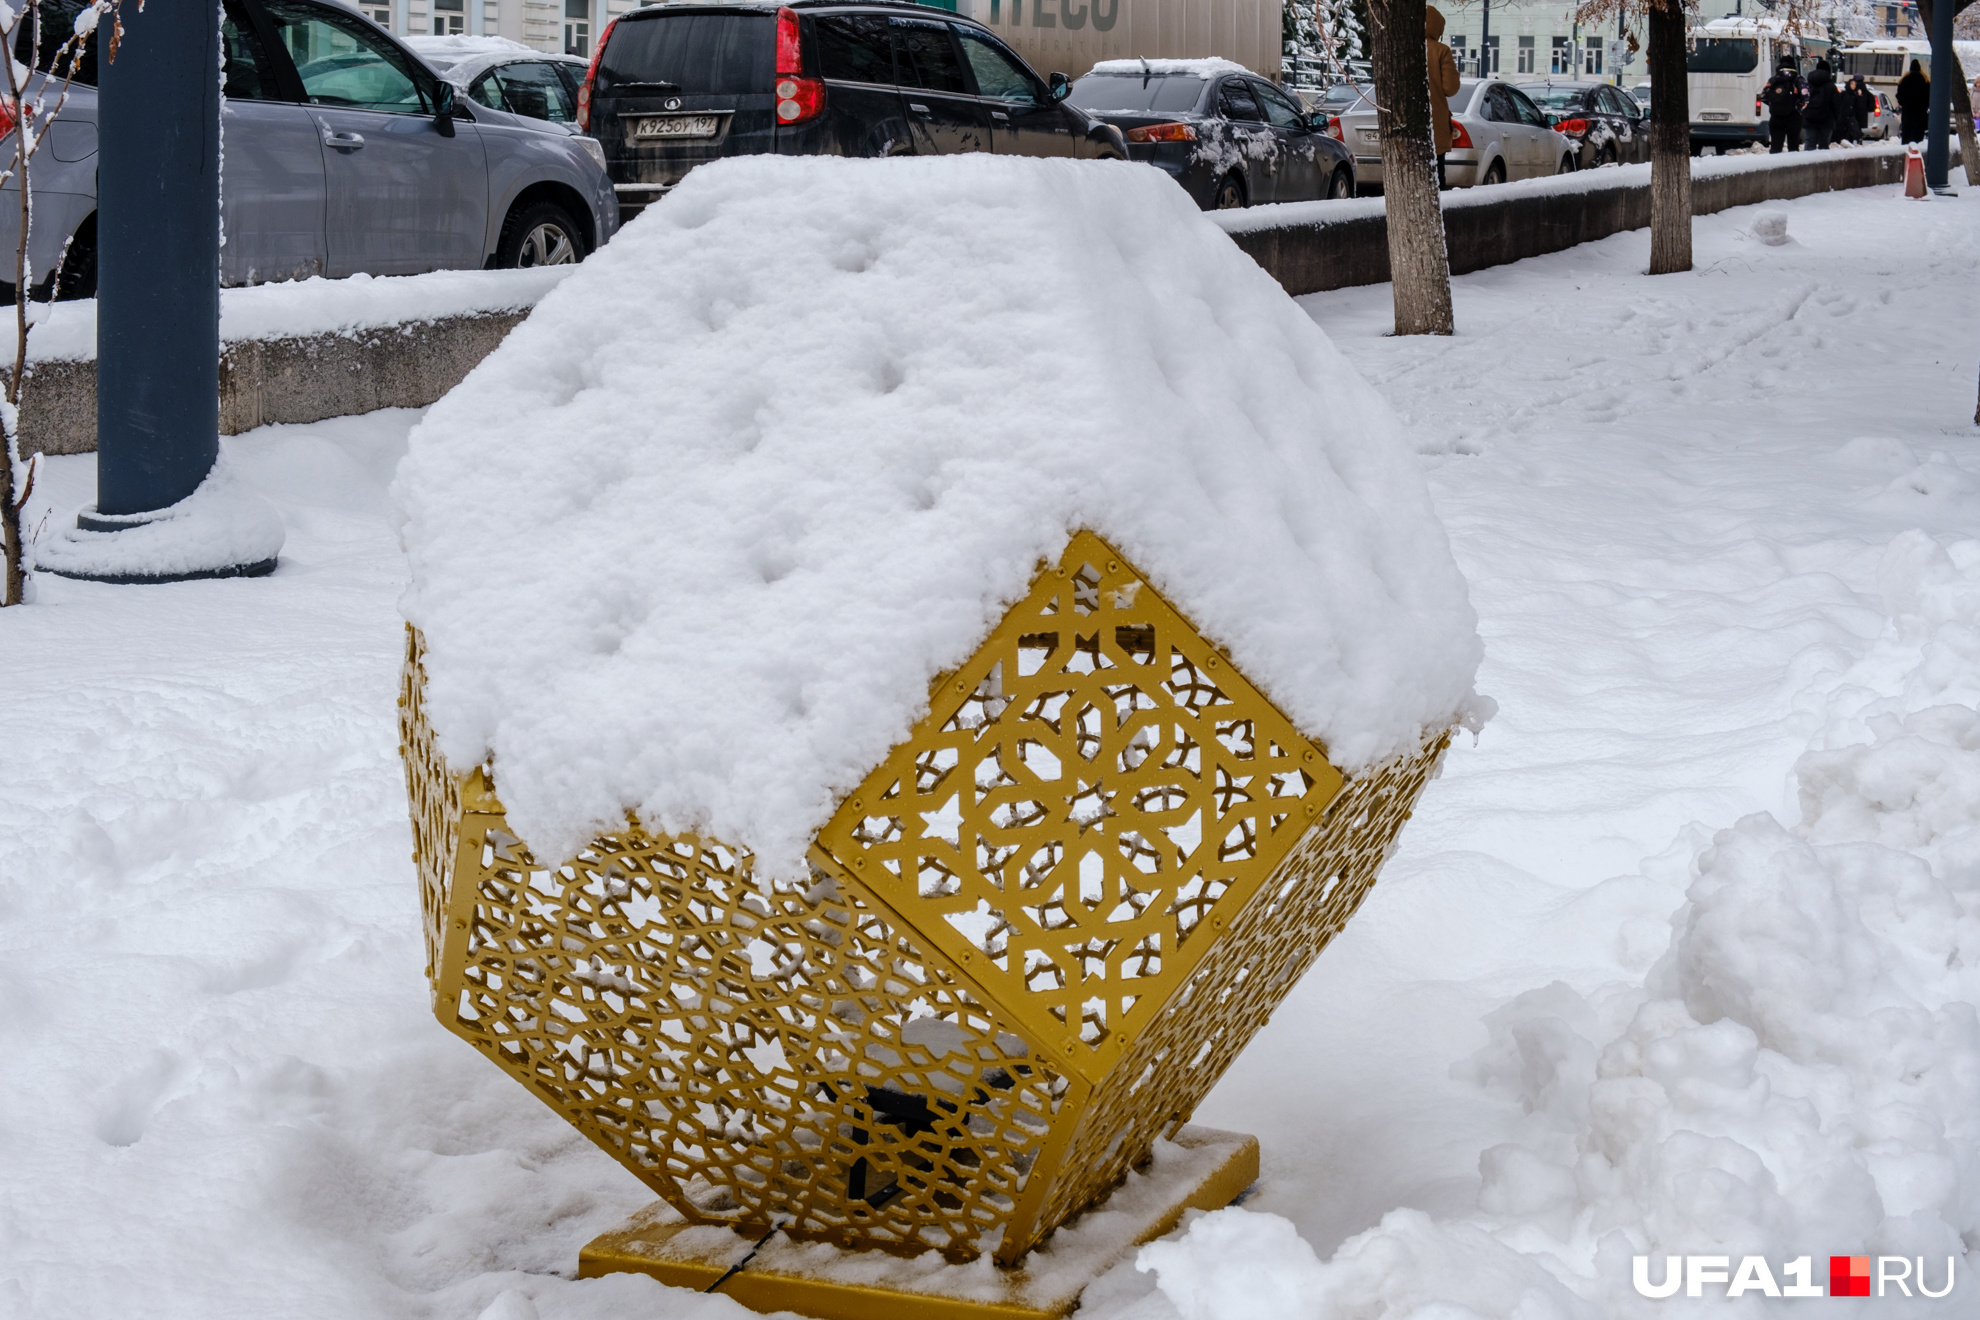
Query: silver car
1497	135
507	75
337	163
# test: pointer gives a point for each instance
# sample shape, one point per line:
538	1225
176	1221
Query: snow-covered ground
1688	510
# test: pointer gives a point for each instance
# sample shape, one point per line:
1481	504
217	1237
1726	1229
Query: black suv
671	86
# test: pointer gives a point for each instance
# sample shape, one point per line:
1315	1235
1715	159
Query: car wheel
1230	193
1567	164
1496	174
542	234
1608	157
1341	187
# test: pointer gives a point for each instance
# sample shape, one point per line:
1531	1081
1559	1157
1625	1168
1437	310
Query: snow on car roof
1211	67
695	540
443	53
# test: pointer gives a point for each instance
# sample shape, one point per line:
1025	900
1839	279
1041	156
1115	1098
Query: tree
1670	121
27	105
1419	263
1326	30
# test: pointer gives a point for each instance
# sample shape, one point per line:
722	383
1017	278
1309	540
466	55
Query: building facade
1537	39
569	26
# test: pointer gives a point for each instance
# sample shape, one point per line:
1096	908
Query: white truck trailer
1071	36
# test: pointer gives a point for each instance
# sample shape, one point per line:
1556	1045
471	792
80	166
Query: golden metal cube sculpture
1030	941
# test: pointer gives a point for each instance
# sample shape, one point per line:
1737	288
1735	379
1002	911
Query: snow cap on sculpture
695	540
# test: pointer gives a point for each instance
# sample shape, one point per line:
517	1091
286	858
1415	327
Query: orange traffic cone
1914	172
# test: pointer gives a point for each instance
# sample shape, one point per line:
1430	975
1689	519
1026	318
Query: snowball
697	538
1770	227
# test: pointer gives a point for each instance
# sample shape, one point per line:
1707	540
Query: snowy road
223	1095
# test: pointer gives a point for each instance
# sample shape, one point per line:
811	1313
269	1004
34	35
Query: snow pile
695	540
222	525
1214	66
1799	1075
294	309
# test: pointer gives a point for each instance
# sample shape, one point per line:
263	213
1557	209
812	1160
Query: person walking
1818	114
1914	98
1443	72
1782	96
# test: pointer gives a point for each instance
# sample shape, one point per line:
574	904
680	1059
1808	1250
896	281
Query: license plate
678	126
1371	134
1716	116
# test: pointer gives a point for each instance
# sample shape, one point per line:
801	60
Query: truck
1729	63
1071	36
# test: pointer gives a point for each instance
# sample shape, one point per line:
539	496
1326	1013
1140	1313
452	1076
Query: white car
507	75
1497	135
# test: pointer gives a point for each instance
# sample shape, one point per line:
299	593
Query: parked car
1883	118
1226	135
1641	95
1497	134
507	75
345	155
1606	124
671	86
1346	97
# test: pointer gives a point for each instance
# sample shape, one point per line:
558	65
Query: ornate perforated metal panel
1031	940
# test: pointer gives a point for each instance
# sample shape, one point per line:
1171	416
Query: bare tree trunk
13	587
1962	102
1670	141
1419	265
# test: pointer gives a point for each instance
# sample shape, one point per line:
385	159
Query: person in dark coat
1820	111
1782	96
1914	98
1858	103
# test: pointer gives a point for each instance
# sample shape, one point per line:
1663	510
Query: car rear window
1162	93
58	24
702	54
1557	98
1723	55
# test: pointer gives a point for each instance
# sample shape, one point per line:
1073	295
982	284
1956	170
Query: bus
1882	62
1729	62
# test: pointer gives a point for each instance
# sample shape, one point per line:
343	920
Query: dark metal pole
158	262
1485	42
1939	125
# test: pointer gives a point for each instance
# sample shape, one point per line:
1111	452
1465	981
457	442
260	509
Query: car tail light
1162	133
1572	127
1335	131
591	77
1459	138
1756	107
798	98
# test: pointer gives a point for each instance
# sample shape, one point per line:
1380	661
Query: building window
449	18
380	14
577	27
1562	56
1491	56
1591	55
1525	55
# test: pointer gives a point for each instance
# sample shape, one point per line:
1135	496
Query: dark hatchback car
674	85
1607	125
1227	136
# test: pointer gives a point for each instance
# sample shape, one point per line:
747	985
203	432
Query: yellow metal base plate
1202	1169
